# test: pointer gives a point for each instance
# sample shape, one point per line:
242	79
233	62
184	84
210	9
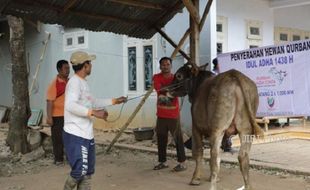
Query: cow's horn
203	67
188	64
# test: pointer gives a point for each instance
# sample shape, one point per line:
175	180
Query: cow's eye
179	76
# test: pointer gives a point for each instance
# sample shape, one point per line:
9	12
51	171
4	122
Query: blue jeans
81	155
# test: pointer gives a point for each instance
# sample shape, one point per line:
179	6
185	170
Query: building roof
135	18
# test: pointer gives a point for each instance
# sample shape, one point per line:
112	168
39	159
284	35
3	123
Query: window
253	46
219	27
69	41
139	63
132	68
254	29
219	48
296	34
148	66
283	37
81	40
75	40
254	36
306	35
296	37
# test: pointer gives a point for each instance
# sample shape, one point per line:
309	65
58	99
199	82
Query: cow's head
186	81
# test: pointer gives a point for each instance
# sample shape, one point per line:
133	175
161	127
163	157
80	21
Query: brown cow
226	103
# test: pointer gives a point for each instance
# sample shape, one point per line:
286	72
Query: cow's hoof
195	182
217	179
212	188
245	188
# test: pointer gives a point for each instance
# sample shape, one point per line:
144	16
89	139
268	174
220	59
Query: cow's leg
243	157
197	152
215	160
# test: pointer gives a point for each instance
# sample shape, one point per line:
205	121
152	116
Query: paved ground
279	150
292	155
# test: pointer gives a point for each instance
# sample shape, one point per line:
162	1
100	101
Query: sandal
160	166
179	168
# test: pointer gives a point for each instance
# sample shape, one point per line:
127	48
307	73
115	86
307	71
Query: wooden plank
142	4
40	4
109	17
68	5
266	120
181	42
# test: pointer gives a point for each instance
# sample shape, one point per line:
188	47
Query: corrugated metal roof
135	18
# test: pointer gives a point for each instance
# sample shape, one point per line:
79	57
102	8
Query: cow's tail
257	131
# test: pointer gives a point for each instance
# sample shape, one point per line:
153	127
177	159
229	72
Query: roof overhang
135	18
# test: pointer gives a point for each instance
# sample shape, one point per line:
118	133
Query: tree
17	136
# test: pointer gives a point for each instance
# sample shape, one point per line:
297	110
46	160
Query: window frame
256	43
290	33
254	24
140	76
222	37
75	40
296	32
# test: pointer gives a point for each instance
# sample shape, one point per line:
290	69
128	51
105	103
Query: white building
124	66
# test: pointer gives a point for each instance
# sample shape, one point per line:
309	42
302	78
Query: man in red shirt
168	117
55	109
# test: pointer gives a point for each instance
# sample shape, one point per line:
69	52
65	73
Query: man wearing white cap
80	107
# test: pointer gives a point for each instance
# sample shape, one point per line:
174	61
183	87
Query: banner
281	73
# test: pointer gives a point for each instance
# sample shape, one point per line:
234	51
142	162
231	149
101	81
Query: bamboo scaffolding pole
132	116
163	34
194	13
35	76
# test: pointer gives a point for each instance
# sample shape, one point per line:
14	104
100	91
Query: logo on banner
265	81
278	75
270	101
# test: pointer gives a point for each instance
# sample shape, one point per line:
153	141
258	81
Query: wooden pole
149	92
193	12
194	39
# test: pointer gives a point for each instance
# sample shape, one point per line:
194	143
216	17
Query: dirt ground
125	169
131	170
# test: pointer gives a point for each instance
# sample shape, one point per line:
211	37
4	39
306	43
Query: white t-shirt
78	102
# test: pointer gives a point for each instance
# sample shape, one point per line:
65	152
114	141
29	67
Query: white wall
237	12
293	17
5	65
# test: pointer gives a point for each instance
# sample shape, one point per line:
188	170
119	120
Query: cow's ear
203	67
